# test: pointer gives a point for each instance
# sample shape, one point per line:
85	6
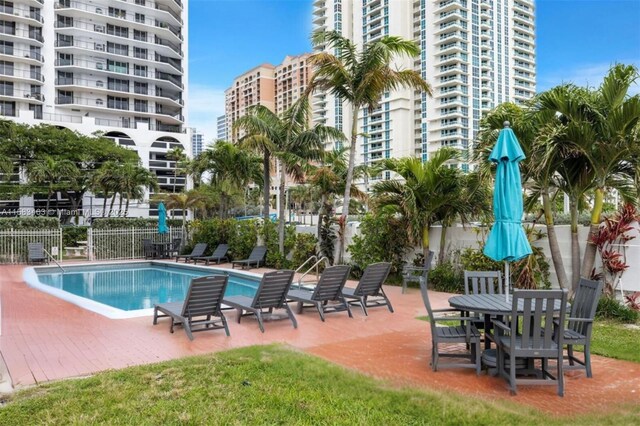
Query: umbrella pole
507	277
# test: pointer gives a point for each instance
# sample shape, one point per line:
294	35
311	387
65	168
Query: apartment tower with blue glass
475	54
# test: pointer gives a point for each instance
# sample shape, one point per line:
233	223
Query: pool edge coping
30	276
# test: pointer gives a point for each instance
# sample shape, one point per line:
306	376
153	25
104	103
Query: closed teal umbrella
162	219
507	240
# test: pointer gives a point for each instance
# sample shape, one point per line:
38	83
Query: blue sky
577	41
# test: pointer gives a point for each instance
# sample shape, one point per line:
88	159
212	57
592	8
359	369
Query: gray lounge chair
454	334
370	286
580	323
174	249
271	294
218	255
483	282
416	274
36	254
328	289
537	337
200	310
198	251
256	258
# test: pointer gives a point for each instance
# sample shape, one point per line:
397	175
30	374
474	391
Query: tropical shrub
610	308
269	234
212	231
137	222
72	234
243	238
447	277
380	241
304	247
29	222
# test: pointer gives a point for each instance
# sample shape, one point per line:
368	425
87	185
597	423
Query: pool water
134	287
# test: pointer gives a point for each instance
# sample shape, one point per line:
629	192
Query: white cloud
205	104
583	75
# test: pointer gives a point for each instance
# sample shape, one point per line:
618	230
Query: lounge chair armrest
556	322
502	326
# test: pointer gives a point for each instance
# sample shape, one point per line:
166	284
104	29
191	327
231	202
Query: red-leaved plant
633	300
611	243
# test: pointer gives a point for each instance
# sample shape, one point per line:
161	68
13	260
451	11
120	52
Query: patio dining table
161	249
495	305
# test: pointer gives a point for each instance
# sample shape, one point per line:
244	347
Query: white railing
126	243
14	242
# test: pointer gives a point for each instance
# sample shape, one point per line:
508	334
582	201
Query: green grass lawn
260	385
615	340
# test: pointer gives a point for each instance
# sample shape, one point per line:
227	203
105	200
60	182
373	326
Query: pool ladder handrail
54	261
314	266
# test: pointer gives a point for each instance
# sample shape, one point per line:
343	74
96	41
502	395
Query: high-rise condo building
254	87
475	54
292	76
118	67
197	142
222	127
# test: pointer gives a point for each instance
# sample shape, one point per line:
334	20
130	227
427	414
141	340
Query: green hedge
29	222
72	234
122	222
242	237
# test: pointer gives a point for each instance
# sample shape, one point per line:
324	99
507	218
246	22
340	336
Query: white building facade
475	54
117	67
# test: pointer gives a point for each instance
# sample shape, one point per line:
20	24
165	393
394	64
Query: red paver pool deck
45	338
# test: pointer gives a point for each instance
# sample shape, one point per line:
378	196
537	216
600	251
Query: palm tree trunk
575	245
425	242
281	205
443	242
554	248
590	250
321	212
104	204
120	205
126	206
349	180
113	201
266	164
48	201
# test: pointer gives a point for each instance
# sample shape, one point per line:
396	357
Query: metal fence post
133	243
60	246
12	239
90	243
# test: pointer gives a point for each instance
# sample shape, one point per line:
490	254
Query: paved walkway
44	338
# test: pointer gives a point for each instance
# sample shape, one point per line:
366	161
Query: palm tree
182	201
104	181
361	78
426	188
178	155
534	129
231	170
289	139
50	171
328	180
134	179
603	125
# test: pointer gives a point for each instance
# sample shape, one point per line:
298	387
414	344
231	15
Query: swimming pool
129	289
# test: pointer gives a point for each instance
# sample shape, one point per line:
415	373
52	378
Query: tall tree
105	182
49	172
361	78
288	139
134	180
425	190
603	124
183	201
178	155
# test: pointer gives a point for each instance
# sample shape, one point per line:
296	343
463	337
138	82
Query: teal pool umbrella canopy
162	219
507	240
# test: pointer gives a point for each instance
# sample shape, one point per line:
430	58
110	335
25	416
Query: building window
6	88
116	66
141	106
6	68
8	108
116	102
65	97
118	84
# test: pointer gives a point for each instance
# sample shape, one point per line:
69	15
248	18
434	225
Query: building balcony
448	26
100	13
19	95
525	19
18	35
101	104
160	79
100	87
161	63
448	5
20	55
444	17
12	74
27	17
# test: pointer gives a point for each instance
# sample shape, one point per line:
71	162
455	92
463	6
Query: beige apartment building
276	87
